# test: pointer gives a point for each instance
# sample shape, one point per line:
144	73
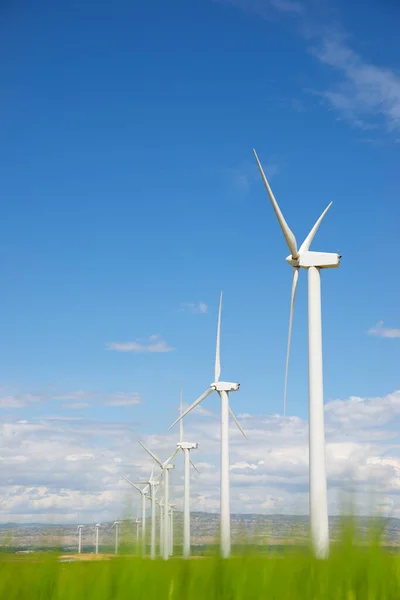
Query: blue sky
130	196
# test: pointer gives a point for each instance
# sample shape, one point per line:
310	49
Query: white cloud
19	400
266	8
70	469
365	94
155	343
76	405
122	399
382	331
78	395
287	6
195	308
244	176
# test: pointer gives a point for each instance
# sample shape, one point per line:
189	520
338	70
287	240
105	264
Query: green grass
353	572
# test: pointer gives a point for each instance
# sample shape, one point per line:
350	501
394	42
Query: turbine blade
195	403
181	422
194	467
237	422
287	232
307	242
217	371
171	458
292	300
131	483
151	454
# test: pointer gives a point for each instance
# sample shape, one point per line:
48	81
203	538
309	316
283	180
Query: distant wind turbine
80	539
313	262
97	527
171	525
144	495
116	524
152	483
186	448
222	388
165	467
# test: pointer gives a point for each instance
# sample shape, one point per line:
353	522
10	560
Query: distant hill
262	530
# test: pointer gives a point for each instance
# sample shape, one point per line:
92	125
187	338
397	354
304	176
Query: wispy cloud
266	8
244	176
382	331
155	343
367	95
78	395
122	399
19	400
76	405
288	6
195	308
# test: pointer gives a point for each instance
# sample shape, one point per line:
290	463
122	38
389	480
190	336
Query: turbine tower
165	467
171	531
144	496
160	503
116	524
222	388
186	447
313	262
152	484
80	539
137	523
96	545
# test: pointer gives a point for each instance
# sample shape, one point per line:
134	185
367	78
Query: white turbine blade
132	484
237	422
194	467
217	371
151	454
292	301
287	232
195	403
181	422
170	458
307	242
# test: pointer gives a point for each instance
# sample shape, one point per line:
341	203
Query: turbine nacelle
225	386
322	260
187	445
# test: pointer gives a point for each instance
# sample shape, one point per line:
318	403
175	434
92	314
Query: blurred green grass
353	571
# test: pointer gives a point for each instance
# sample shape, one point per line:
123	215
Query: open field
353	572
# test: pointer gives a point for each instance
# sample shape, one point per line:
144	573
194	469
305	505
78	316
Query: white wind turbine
144	496
80	539
222	388
313	262
171	531
186	447
160	503
96	544
116	524
152	483
137	523
165	467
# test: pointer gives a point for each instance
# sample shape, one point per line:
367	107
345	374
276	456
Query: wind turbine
97	527
116	524
186	447
222	388
165	467
313	262
160	503
137	523
171	524
144	495
152	484
80	539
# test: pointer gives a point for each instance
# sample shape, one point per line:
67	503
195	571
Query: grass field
353	572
